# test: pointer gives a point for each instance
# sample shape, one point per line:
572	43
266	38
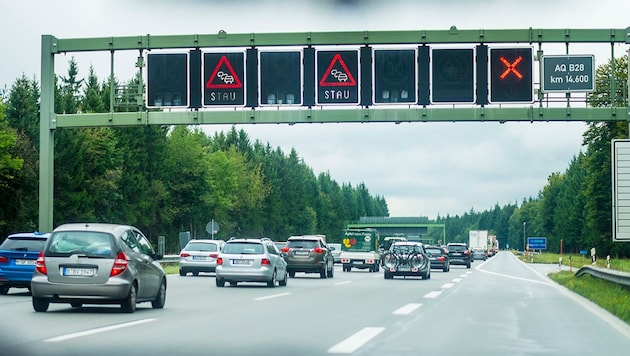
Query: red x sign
511	67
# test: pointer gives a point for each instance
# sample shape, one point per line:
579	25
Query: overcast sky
421	169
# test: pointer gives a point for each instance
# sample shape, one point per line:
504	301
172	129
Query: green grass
171	268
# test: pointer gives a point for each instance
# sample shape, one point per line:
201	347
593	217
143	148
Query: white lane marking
433	294
407	309
355	341
447	285
378	275
457	280
342	283
272	296
468	272
98	330
463	275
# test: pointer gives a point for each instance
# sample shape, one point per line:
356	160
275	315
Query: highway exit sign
568	73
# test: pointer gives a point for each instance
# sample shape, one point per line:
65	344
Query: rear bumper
114	290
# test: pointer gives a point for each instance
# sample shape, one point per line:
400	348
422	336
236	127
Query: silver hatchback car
98	263
251	260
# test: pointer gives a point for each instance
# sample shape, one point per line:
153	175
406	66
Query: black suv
310	254
459	254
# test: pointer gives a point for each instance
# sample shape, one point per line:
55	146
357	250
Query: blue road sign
537	243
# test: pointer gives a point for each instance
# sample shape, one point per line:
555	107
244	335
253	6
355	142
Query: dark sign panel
167	79
395	76
337	77
280	78
568	73
453	76
223	75
511	77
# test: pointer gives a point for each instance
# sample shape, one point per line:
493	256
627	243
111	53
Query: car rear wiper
20	249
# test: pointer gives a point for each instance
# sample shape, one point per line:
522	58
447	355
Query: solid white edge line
98	330
407	309
272	296
355	341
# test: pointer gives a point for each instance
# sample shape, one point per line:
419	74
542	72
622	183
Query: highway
498	307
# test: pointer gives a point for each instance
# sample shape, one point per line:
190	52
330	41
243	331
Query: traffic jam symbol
224	76
337	76
337	73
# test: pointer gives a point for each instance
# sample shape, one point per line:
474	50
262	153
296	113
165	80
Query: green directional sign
568	73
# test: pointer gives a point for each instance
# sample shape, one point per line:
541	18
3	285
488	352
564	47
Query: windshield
406	248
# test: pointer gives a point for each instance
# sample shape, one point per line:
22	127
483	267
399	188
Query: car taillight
265	262
441	258
466	252
184	254
219	261
285	249
318	250
4	259
120	264
40	264
214	255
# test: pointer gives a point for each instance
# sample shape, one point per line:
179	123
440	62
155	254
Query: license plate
200	258
301	253
404	269
83	272
24	262
241	262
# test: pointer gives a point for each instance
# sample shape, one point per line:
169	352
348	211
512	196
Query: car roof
34	234
306	237
206	241
406	243
113	229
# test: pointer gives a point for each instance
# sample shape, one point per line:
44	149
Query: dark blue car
18	254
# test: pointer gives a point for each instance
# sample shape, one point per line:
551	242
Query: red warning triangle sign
223	76
337	76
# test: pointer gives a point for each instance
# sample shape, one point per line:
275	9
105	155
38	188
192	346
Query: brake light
120	264
219	261
184	254
318	250
441	258
214	255
4	259
40	264
345	260
285	249
265	262
466	252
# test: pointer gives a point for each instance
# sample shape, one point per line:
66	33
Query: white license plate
24	262
301	253
84	272
242	262
404	269
200	258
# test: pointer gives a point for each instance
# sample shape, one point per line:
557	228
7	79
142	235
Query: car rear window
457	248
406	248
23	244
303	244
89	243
245	248
200	246
434	251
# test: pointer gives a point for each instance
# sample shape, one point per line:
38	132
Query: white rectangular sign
621	190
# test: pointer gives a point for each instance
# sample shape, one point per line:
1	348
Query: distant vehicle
408	258
309	254
280	244
459	254
251	260
336	251
199	256
479	253
18	253
95	263
438	256
389	240
360	249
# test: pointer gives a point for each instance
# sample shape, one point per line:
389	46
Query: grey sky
420	169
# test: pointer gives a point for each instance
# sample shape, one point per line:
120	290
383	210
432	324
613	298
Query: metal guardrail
610	275
169	259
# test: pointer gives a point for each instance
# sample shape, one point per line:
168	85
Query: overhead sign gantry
332	77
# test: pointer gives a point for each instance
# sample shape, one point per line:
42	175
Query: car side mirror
157	256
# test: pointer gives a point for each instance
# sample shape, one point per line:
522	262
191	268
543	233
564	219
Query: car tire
468	265
283	282
160	298
292	274
376	267
76	304
128	305
445	269
40	305
322	272
233	283
182	273
220	282
331	272
4	290
388	275
272	283
195	274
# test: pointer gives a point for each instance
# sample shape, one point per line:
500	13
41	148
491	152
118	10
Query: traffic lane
511	314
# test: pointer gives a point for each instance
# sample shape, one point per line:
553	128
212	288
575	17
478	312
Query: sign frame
354	78
206	78
491	74
299	94
413	94
536	243
185	101
432	73
544	84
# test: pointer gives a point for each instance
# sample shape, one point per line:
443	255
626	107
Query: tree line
168	179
